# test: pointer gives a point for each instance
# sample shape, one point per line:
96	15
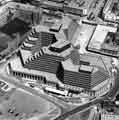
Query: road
58	104
115	88
79	109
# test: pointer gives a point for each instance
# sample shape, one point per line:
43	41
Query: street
79	109
14	81
64	114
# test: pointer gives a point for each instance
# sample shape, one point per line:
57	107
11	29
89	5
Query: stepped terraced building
45	57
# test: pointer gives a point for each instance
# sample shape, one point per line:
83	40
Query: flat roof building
78	7
82	76
102	41
52	4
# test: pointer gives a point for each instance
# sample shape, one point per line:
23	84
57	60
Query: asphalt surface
32	91
115	88
78	109
81	108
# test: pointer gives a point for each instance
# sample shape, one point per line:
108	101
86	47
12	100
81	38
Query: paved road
57	102
115	88
79	109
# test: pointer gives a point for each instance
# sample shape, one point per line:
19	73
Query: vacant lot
23	103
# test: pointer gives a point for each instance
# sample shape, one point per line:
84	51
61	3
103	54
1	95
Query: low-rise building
107	116
103	41
78	7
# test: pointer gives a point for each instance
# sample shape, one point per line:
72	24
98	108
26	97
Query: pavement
65	115
79	109
82	108
60	104
115	88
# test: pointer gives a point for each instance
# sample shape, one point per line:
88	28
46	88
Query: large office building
78	7
45	57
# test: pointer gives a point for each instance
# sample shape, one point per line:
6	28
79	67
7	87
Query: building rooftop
99	36
60	43
80	7
84	34
49	4
102	41
68	65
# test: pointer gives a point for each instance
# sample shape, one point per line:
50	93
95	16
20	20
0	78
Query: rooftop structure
60	46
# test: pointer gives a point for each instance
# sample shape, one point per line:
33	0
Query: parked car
2	84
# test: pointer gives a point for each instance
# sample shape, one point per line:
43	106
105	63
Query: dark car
2	83
31	85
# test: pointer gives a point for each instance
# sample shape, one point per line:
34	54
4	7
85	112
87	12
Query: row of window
30	76
44	81
34	77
